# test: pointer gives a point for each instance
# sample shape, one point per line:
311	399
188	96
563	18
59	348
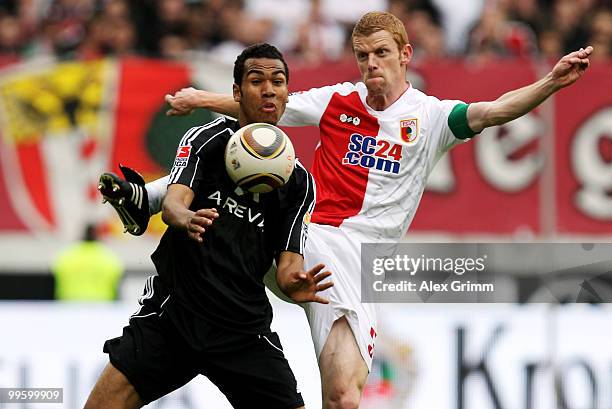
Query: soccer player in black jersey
207	311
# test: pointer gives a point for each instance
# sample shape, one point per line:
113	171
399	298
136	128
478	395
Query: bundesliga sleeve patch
182	156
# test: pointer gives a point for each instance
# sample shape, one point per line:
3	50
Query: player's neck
242	120
380	102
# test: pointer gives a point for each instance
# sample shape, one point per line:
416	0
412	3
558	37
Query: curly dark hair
261	50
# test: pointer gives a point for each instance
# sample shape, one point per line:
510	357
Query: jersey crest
409	129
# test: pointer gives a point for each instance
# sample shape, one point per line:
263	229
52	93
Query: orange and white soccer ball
259	158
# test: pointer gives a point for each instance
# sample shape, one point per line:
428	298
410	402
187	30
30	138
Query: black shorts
250	369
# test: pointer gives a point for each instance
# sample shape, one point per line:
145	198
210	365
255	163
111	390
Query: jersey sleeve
447	128
298	204
306	108
187	169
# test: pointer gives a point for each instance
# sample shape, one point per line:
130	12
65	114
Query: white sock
156	191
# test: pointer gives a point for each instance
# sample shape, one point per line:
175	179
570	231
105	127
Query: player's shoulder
210	130
343	88
216	130
417	96
300	188
434	104
300	170
300	178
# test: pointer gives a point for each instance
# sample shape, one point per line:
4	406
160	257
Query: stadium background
81	89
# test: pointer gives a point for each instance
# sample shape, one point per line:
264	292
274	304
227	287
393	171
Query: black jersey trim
310	211
146	294
187	140
310	208
298	219
195	169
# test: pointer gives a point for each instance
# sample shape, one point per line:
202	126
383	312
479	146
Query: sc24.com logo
371	153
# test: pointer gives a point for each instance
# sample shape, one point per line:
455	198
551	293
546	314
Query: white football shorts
341	254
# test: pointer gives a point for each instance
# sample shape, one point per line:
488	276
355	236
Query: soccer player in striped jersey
206	312
379	141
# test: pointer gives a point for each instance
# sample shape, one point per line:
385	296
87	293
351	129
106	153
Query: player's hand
199	222
303	286
571	67
183	102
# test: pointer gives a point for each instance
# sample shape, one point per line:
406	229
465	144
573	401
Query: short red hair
375	21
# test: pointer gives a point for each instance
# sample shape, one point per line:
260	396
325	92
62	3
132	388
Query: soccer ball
259	158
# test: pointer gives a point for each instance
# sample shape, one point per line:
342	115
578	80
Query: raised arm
187	99
176	213
517	103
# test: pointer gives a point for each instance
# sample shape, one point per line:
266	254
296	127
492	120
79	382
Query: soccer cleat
128	197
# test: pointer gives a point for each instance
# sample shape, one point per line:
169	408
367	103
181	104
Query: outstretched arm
300	285
187	99
517	103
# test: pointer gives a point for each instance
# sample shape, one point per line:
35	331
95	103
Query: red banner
583	160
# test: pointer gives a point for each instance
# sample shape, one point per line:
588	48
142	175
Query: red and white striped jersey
371	166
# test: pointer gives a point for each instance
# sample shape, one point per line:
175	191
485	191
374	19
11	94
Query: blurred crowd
307	30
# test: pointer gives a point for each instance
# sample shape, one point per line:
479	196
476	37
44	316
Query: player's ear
236	92
405	54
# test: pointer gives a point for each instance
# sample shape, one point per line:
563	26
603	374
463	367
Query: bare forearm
175	213
288	263
517	103
511	105
220	103
183	102
300	285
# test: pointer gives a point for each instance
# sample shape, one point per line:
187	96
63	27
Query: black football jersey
220	279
